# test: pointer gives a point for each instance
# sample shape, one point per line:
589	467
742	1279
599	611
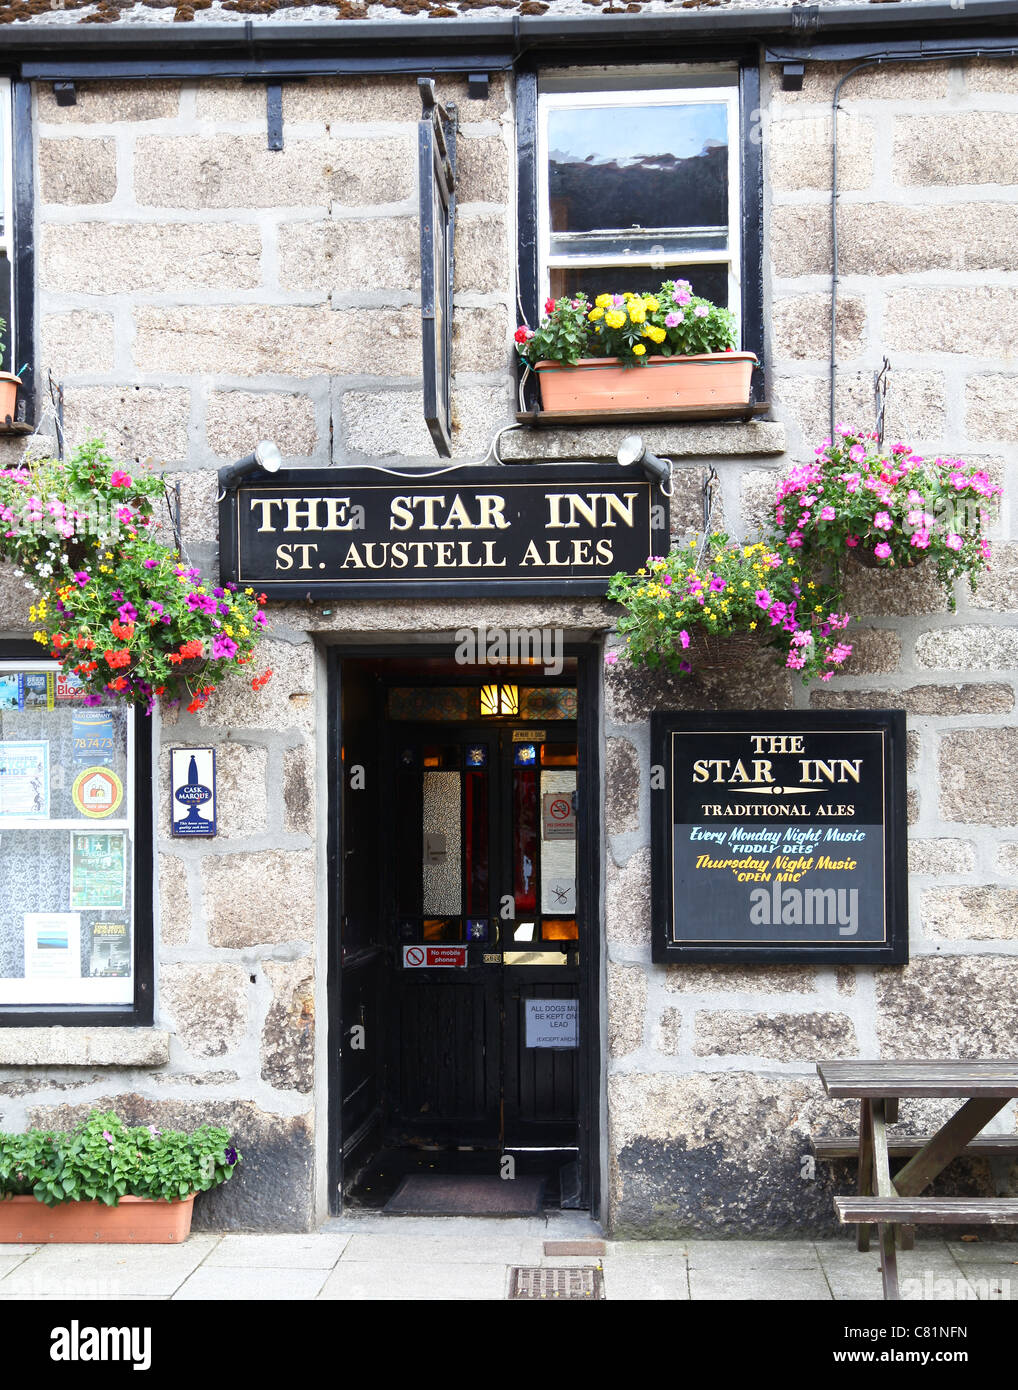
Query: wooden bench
929	1211
907	1145
894	1204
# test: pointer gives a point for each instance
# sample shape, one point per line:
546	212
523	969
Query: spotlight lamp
632	450
266	458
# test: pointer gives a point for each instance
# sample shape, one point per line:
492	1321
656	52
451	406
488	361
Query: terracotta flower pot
603	384
8	395
135	1221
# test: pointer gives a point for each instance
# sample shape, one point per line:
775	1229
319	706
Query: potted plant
629	352
105	1182
9	384
122	613
707	605
888	508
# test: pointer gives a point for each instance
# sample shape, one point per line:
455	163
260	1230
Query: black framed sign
526	529
779	836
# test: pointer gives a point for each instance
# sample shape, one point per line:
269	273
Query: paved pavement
377	1257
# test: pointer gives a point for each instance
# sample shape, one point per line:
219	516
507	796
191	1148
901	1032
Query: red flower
258	681
117	659
549	306
193	648
123	631
522	334
263	598
119	684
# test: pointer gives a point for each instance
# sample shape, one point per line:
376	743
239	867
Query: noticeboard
779	836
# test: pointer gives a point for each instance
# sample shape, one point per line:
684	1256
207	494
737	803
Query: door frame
589	850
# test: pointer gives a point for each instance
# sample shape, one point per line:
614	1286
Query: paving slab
722	1255
982	1252
759	1285
656	1281
227	1282
15	1258
445	1249
412	1280
111	1271
642	1249
993	1283
277	1252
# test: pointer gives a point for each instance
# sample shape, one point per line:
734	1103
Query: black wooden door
479	874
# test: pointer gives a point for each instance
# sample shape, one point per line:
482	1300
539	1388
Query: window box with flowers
104	1183
630	352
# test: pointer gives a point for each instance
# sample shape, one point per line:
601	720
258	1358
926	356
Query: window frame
750	222
17	172
688	94
139	1012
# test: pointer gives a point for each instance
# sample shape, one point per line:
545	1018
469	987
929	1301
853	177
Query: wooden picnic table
985	1087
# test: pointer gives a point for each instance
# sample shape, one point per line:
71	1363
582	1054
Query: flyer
52	944
98	870
111	950
97	792
92	737
24	780
69	686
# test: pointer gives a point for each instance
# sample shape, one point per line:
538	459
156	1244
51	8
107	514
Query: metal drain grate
535	1282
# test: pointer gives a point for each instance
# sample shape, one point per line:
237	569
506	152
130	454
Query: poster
24	780
69	686
98	870
92	737
52	945
111	950
10	692
779	833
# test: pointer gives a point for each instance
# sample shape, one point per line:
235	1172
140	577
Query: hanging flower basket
713	652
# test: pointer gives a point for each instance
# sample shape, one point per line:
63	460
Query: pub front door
480	941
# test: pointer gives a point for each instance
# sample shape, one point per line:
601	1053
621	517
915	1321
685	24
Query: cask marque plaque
779	836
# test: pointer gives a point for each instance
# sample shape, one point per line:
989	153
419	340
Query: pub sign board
514	529
779	836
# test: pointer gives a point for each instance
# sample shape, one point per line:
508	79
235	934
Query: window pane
66	871
648	244
708	281
643	166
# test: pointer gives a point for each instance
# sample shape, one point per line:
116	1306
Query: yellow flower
41	637
614	318
637	312
752	626
249	591
638	349
652	304
603	301
818	608
656	335
641	571
811	585
659	613
228	629
596	314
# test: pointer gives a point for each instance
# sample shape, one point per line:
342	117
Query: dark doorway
464	859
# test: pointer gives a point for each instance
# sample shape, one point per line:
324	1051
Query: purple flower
200	603
157	608
82	578
117	596
218	593
231	1156
151	564
223	608
717	584
674	319
128	613
223	646
762	597
684	638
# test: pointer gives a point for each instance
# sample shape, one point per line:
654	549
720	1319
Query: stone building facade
196	292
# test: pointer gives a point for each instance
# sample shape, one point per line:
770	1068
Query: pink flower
827	514
921	539
882	551
762	597
120	479
611	658
852	540
684	638
701	311
674	319
882	521
857	453
666	580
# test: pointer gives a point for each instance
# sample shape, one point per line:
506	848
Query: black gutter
264	40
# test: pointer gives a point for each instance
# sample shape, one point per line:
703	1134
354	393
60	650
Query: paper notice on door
552	1022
